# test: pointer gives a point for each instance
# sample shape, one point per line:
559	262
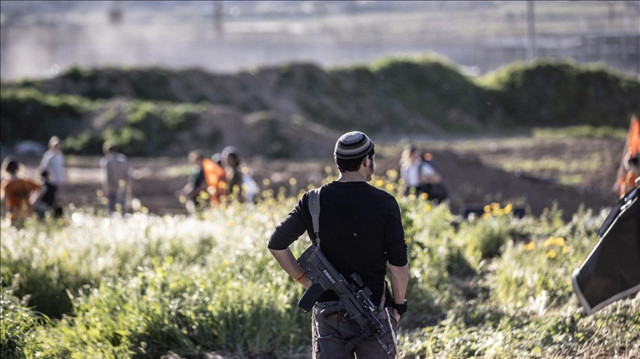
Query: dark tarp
612	270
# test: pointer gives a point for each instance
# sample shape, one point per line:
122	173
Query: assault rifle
354	297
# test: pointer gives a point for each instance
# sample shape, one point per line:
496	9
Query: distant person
116	178
233	162
250	187
420	176
194	191
216	179
19	192
241	184
627	182
47	200
53	162
217	159
629	169
361	230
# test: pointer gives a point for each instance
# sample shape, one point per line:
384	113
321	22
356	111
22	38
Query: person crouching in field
19	192
194	192
361	230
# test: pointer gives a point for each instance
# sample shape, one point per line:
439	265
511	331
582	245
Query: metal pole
116	12
218	14
531	32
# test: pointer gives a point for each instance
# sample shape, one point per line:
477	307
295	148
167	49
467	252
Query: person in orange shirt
18	192
629	170
216	178
627	181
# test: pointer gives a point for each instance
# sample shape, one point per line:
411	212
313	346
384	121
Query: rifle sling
314	209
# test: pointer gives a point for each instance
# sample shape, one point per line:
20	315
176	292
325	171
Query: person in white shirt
53	163
420	176
116	178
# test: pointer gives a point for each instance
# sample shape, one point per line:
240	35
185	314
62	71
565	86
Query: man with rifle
362	240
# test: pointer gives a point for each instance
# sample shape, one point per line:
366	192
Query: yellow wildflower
551	254
553	241
529	246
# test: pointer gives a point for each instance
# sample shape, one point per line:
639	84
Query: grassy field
147	286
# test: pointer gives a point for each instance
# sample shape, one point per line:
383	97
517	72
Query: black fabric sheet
612	270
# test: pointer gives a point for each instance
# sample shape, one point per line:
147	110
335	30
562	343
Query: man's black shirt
360	231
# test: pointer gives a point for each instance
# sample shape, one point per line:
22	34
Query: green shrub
139	128
433	88
537	272
86	142
435	258
488	234
563	94
18	324
30	114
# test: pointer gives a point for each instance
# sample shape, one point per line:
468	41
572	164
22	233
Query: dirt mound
472	183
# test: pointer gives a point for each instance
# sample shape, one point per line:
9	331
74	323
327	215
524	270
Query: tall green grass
147	286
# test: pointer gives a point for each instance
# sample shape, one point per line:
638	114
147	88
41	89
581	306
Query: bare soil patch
473	176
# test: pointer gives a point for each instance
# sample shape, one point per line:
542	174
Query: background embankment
287	111
285	120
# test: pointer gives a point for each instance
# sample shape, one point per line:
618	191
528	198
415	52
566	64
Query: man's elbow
399	271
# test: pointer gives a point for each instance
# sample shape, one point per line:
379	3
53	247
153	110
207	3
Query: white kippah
353	145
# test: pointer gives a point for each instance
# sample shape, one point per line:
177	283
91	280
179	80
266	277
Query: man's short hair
11	165
353	164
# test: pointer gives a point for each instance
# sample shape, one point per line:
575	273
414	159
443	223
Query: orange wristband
300	277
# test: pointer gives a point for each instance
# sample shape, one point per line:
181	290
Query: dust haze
41	39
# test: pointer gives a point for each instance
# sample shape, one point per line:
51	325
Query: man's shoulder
19	183
364	188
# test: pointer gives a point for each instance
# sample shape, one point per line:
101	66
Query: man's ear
365	162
